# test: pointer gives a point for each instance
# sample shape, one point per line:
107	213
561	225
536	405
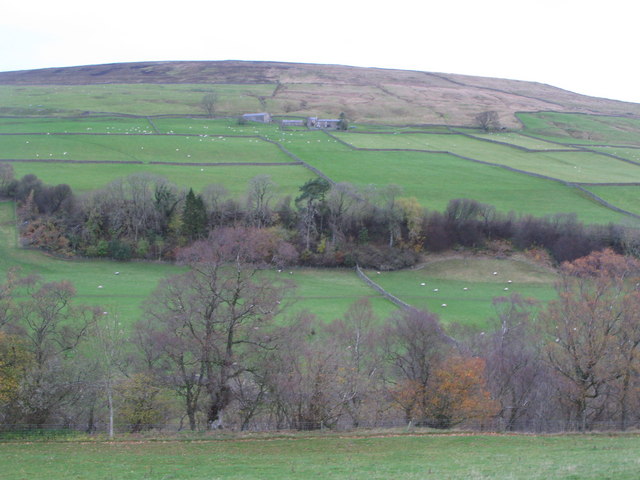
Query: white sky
585	46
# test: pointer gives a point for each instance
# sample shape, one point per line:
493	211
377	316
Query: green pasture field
84	178
519	140
120	294
142	148
336	457
131	98
326	293
567	166
632	154
435	179
426	177
625	197
582	128
450	277
362	127
86	124
207	126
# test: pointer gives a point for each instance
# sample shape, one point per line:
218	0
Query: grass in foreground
398	457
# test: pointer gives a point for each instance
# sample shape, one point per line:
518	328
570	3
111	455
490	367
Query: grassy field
632	154
323	292
142	148
513	138
336	457
623	196
433	179
93	124
425	176
461	290
130	99
207	126
566	166
235	179
120	294
430	179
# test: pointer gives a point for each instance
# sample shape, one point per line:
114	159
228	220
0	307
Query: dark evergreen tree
311	204
194	217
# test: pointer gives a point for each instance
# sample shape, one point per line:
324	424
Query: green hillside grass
325	293
625	197
424	176
130	99
142	148
632	154
206	126
397	456
85	124
328	293
466	287
84	178
566	166
120	294
435	179
519	140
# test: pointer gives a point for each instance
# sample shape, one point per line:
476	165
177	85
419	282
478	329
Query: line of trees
219	346
145	216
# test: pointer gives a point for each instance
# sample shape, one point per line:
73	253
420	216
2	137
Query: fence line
381	290
21	432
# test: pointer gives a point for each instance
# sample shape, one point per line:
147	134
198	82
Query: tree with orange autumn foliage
413	345
458	393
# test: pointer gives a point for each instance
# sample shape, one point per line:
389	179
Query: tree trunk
110	402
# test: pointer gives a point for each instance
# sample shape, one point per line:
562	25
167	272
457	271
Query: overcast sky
585	46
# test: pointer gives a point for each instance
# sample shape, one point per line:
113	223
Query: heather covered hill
366	95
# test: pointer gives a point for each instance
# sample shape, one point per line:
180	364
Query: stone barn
263	117
292	123
326	123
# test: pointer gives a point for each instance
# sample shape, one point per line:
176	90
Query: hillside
366	95
411	234
95	126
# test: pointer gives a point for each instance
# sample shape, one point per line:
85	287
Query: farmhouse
323	123
263	117
292	123
313	122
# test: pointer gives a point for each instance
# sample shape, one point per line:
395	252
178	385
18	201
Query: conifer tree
194	217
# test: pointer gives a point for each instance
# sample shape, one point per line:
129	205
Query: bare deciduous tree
515	368
209	103
259	194
209	320
51	326
488	120
591	331
413	346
